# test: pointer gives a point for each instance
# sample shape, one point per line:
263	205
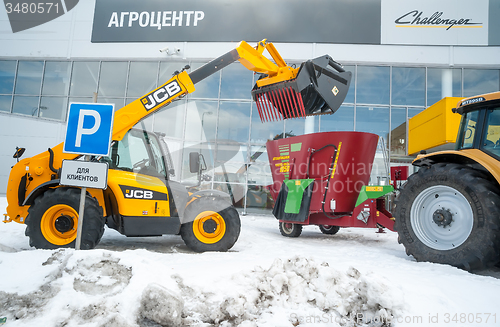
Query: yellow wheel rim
59	224
209	227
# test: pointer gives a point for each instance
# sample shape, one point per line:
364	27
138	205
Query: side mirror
194	162
19	153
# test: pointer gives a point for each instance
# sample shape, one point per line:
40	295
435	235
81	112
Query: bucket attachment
320	87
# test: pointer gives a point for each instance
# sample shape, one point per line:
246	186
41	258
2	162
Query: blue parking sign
89	128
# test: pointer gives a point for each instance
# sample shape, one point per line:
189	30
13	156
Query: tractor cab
480	129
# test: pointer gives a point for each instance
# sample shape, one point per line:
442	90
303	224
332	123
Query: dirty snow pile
356	278
296	290
94	288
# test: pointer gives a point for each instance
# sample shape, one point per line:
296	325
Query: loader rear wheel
214	225
449	213
290	230
329	229
53	220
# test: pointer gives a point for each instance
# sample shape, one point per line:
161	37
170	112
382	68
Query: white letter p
86	131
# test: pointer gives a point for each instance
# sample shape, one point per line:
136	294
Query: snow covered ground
354	278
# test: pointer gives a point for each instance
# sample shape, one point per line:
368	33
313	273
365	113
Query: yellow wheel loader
140	198
449	210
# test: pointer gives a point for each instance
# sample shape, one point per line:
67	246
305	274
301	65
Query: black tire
290	230
449	213
53	220
329	229
212	225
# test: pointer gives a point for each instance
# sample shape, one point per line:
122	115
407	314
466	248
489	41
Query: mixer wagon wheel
329	229
290	230
449	213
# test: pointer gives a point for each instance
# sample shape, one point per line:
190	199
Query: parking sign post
88	132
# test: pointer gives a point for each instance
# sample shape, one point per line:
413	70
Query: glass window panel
231	155
5	101
84	79
167	70
350	94
170	119
437	79
207	88
112	79
175	149
262	132
260	172
259	181
7	74
414	111
295	127
398	131
80	100
142	78
56	78
236	82
207	151
373	120
54	107
341	120
258	155
234	121
118	102
408	86
236	192
258	197
25	105
479	81
373	85
29	77
201	119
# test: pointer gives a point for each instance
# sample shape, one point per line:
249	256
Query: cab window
491	137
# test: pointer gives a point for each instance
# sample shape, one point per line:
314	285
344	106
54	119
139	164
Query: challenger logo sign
161	95
430	22
416	18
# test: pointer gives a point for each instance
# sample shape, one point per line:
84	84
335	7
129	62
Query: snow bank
87	287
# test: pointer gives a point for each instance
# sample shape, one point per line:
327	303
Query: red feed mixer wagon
321	179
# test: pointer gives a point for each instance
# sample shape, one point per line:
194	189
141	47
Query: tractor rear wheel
213	225
329	229
449	213
53	220
290	230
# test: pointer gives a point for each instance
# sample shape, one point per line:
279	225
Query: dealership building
404	57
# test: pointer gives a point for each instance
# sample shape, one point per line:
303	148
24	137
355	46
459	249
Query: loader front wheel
449	213
53	220
290	229
213	225
329	229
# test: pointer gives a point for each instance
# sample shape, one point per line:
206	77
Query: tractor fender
473	158
97	193
39	190
206	194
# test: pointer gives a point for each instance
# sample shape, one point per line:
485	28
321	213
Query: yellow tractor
449	210
140	198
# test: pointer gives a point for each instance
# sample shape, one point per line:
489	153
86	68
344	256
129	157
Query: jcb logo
139	194
130	192
160	95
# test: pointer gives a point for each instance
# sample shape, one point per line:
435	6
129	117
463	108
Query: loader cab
141	152
480	129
